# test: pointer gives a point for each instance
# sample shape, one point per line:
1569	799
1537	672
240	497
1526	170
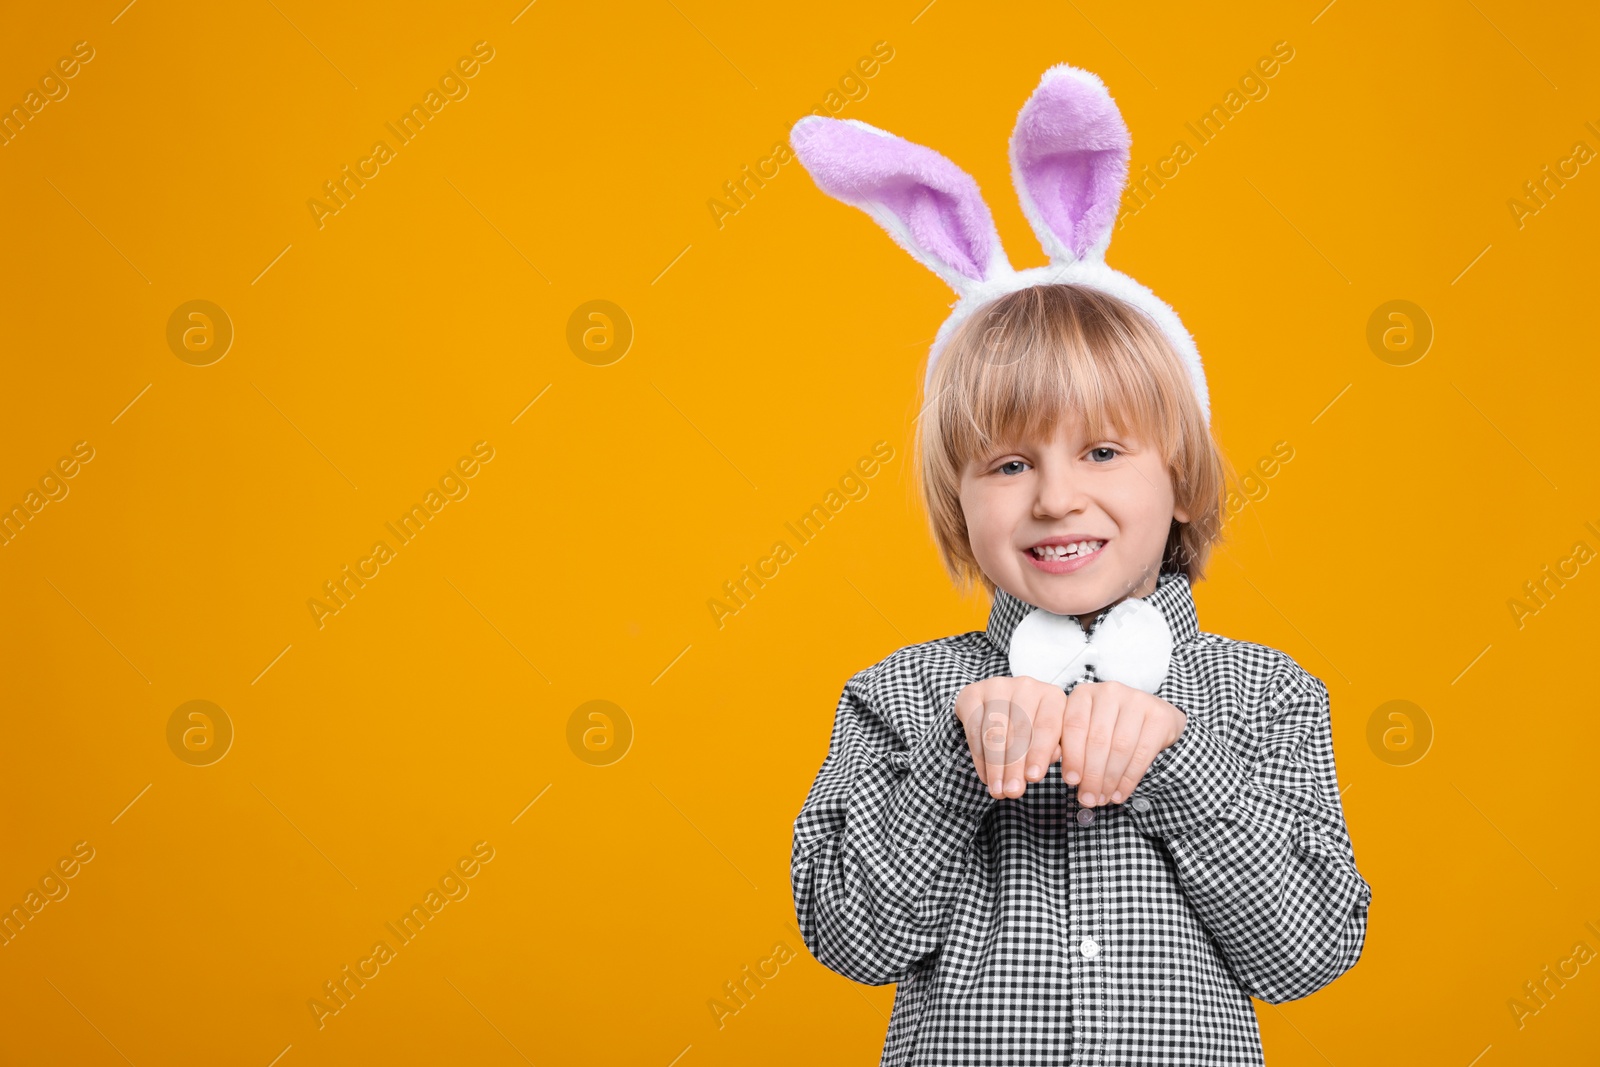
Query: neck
1146	587
1087	621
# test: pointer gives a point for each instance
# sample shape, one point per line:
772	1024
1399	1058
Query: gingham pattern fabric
1033	931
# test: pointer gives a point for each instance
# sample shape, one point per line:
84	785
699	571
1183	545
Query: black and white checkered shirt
1034	931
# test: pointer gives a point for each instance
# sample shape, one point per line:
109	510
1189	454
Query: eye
1011	463
1106	448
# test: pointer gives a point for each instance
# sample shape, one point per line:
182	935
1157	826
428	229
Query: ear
1069	161
930	206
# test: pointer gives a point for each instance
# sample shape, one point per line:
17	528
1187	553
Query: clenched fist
1104	733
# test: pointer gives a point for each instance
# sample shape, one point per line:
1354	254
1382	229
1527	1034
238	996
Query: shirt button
1089	947
1085	816
1140	804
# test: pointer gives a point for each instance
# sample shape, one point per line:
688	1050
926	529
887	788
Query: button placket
1086	885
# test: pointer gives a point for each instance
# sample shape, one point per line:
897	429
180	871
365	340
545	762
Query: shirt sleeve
1261	846
884	841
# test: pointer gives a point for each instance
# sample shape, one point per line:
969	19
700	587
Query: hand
1110	734
1012	725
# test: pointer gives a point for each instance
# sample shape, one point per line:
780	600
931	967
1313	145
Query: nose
1060	493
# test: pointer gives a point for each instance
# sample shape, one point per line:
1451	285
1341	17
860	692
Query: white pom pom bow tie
1131	645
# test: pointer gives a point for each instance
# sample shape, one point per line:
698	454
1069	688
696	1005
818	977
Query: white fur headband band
1069	162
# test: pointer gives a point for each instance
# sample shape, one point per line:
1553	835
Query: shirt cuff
941	764
1189	784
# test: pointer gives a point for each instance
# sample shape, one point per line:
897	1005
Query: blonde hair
1017	365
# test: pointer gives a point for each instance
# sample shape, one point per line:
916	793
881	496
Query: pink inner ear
937	202
1063	187
1071	151
938	223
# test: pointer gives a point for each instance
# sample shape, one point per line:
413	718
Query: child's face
1115	490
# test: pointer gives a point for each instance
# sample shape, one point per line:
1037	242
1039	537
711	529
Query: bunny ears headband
1069	162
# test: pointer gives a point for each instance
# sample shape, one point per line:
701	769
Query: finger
1124	739
1020	712
1075	732
1144	753
1102	724
1018	740
1047	718
996	729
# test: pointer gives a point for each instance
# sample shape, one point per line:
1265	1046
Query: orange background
769	355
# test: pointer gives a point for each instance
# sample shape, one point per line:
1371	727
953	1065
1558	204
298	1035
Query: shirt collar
1172	597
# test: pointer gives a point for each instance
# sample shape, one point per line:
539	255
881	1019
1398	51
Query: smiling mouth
1076	550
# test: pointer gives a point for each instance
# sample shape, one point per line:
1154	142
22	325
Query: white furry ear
1069	162
930	206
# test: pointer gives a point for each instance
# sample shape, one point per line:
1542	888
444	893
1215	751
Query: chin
1076	603
1085	600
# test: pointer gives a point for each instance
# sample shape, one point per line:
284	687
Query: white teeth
1072	551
